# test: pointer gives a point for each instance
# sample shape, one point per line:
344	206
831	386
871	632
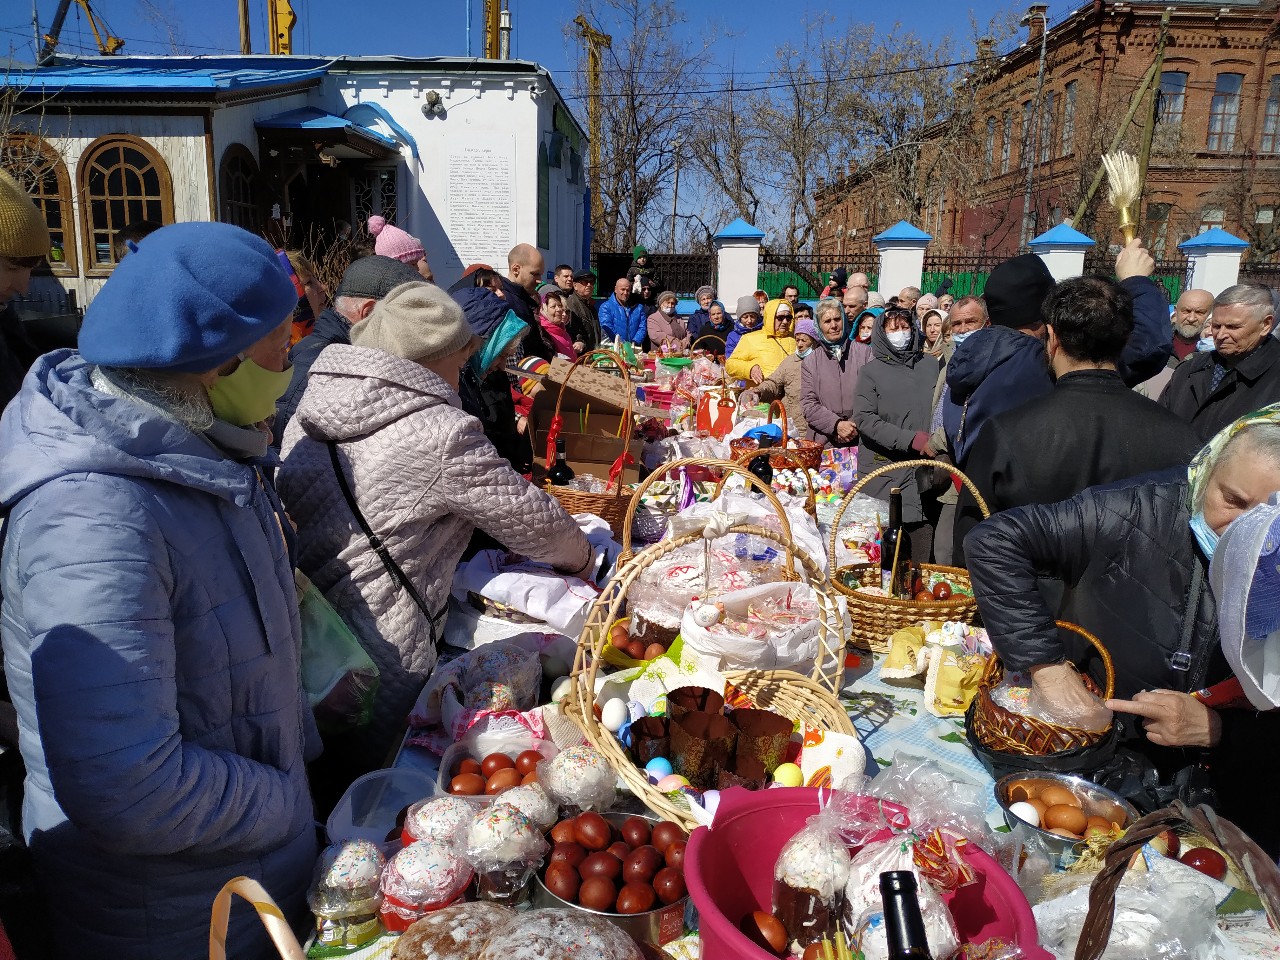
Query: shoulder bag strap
1181	659
379	547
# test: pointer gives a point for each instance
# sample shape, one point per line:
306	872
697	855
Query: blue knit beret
189	299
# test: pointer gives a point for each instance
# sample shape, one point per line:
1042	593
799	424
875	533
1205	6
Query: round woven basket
873	619
812	699
791	459
803	453
609	506
1004	731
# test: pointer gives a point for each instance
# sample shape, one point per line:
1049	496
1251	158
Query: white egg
1025	811
560	688
613	715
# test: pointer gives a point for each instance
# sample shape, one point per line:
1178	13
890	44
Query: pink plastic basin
729	872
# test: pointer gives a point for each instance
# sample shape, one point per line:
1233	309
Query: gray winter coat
830	389
785	386
894	401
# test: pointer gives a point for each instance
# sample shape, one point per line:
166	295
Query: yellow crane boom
596	42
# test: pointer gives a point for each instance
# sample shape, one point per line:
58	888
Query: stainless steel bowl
1095	801
658	926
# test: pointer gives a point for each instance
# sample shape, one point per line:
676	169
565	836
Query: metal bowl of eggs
1061	812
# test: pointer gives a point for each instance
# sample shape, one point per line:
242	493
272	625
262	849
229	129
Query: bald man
524	269
860	280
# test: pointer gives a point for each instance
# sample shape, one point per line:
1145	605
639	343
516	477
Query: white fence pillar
737	262
1062	249
901	249
1213	260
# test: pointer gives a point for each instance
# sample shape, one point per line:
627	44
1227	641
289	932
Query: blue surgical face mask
959	338
804	353
1204	534
1206	345
898	339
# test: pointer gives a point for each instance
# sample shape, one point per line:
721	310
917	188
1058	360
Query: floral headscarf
1210	457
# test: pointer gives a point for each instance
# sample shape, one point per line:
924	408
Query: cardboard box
595	386
590	443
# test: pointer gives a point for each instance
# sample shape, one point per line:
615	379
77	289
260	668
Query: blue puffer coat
152	645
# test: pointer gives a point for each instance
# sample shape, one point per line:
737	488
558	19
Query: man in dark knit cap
366	281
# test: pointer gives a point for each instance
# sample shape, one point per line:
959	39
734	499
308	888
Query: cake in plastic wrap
440	819
531	800
454	933
579	778
345	895
504	848
424	876
808	883
559	935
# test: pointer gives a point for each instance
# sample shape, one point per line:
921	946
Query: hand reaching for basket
1173	719
1058	694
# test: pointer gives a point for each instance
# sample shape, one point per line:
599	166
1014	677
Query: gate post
1062	249
1213	260
901	249
737	262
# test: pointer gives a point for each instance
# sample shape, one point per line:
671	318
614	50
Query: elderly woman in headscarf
893	411
926	303
830	381
785	384
666	326
705	296
1133	557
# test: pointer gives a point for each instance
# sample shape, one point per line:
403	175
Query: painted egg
788	775
711	801
613	715
657	768
672	782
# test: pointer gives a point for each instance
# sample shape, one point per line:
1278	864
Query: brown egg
1065	817
527	762
469	765
924	596
812	952
643	863
942	590
636	649
653	651
1098	823
602	864
530	777
563	881
592	831
1063	832
502	780
619	849
1055	795
570	854
1021	793
765	931
598	893
495	762
1040	807
467	784
636	898
675	855
668	884
563	832
618	635
636	831
665	834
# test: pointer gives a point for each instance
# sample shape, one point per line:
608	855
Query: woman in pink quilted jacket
382	417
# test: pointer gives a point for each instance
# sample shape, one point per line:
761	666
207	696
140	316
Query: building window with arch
1069	119
1224	111
1006	141
1027	152
238	188
989	151
122	180
1271	120
1173	97
36	165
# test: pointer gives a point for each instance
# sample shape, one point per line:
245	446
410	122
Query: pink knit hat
391	241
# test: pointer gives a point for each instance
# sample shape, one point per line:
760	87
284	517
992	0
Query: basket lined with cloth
805	453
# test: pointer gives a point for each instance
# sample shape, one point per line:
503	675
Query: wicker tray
812	698
610	507
874	619
1004	731
805	453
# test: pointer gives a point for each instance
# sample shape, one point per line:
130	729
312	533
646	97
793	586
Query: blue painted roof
309	118
165	75
740	230
1062	236
1215	237
902	231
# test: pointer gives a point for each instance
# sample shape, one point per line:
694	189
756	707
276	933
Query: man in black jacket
584	325
1090	428
1212	390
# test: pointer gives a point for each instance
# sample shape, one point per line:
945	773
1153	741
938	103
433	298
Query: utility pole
246	43
1149	126
492	25
35	25
675	195
1027	216
596	41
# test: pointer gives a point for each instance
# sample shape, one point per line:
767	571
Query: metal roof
310	118
166	74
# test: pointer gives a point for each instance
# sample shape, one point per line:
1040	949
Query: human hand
1134	261
757	375
921	444
747	399
1173	719
578	346
1058	693
846	430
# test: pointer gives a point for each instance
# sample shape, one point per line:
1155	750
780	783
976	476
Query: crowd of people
223	422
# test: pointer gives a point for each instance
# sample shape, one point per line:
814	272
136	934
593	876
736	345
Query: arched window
122	181
36	165
238	188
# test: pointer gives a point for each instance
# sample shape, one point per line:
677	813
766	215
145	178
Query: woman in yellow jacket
759	352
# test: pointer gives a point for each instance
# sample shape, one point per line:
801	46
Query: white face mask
959	338
669	309
1206	345
898	339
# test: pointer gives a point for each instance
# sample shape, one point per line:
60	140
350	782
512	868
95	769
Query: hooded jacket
487	396
152	647
619	320
760	347
893	404
424	477
830	386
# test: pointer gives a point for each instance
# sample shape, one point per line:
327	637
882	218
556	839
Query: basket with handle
875	618
789	459
806	454
693	347
611	505
810	699
268	912
1003	731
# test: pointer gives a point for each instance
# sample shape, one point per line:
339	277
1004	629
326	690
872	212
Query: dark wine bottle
903	925
760	465
895	549
561	473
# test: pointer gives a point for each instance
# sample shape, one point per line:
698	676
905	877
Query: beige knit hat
22	228
416	321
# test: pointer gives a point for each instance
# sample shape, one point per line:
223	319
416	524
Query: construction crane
107	44
492	29
282	19
596	42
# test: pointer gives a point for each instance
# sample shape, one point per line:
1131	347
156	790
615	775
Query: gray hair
349	306
910	291
1255	295
828	305
177	396
966	300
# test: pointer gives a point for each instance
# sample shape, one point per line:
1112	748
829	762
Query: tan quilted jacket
424	477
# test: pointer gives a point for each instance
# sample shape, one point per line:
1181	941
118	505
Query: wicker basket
1004	731
803	453
874	619
791	459
609	506
812	699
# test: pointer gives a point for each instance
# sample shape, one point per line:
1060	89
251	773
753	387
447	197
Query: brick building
1215	157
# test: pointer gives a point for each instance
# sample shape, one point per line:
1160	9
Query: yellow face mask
249	395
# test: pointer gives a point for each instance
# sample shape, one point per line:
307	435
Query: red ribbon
620	464
553	434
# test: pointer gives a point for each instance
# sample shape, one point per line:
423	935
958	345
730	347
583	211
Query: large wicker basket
874	619
1004	731
804	453
609	506
812	699
790	458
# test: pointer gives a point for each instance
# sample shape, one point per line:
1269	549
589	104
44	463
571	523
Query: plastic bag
808	881
864	908
858	540
339	677
742	505
497	678
937	797
767	627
